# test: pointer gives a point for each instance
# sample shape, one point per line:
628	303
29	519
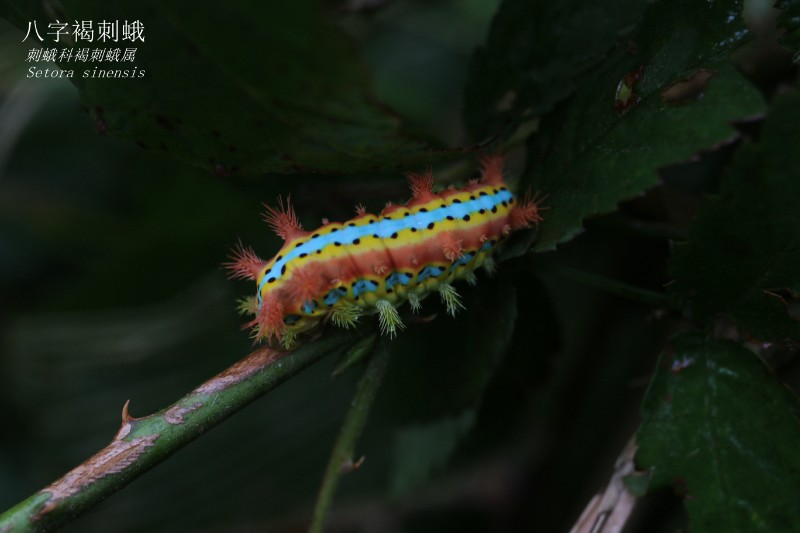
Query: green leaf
438	373
720	429
789	19
536	55
248	89
441	367
606	143
419	451
744	246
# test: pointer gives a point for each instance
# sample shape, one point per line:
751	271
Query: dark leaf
744	247
419	451
789	19
536	55
248	90
441	367
634	113
724	433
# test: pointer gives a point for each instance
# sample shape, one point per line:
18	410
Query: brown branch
142	443
609	511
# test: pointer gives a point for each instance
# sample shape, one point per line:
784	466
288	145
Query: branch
609	511
341	460
142	443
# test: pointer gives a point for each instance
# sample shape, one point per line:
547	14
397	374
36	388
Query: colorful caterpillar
371	263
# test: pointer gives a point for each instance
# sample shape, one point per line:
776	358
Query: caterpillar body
372	263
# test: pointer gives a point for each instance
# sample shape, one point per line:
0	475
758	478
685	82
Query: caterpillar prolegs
370	264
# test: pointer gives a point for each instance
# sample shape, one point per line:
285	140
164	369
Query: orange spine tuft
269	321
306	283
526	212
451	248
244	263
283	220
421	185
492	169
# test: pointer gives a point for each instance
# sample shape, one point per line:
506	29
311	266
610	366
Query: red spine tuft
421	185
451	248
492	169
306	283
244	263
283	220
269	321
526	212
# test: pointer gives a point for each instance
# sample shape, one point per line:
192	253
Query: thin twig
341	460
142	443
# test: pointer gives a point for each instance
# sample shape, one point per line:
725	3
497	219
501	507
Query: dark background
111	287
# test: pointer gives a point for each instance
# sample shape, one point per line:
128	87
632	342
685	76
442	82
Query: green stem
142	443
341	459
619	288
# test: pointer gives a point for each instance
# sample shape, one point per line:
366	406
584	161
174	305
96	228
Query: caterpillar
373	263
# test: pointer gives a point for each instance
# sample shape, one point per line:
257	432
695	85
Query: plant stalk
142	443
341	460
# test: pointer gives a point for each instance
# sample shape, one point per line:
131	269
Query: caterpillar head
285	305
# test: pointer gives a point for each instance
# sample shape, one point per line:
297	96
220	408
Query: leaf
789	19
438	373
744	246
422	450
527	367
419	451
605	144
724	433
441	367
536	55
247	90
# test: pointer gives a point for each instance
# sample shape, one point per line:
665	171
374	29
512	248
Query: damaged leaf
606	143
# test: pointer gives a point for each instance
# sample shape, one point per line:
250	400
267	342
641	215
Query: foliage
705	418
744	247
671	174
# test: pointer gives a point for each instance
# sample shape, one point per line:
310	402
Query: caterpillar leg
247	305
489	265
450	298
288	339
389	318
471	279
414	302
345	316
